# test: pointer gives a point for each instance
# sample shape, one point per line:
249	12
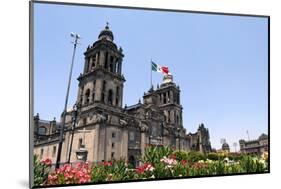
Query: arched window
103	97
109	98
105	62
93	62
104	85
111	67
93	93
87	96
116	65
93	96
87	63
168	97
117	96
165	98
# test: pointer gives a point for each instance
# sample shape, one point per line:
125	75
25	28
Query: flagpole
150	73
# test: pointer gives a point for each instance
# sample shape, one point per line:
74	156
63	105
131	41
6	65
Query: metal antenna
248	135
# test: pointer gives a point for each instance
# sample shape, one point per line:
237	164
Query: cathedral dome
106	33
225	146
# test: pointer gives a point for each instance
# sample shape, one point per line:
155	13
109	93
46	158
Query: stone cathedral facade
102	128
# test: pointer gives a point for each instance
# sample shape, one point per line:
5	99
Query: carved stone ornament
123	123
143	126
98	118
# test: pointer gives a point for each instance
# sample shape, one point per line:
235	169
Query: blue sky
220	62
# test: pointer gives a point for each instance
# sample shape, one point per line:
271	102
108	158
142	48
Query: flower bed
157	162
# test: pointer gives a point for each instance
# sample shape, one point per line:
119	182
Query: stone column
171	97
124	144
120	96
177	143
98	90
102	58
91	92
90	64
114	96
97	58
86	65
108	61
114	64
144	131
96	62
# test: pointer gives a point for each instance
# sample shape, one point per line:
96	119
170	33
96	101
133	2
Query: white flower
149	168
169	161
152	176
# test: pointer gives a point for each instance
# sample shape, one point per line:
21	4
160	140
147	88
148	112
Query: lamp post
76	37
74	117
179	136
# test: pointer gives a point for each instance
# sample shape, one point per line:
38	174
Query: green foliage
195	156
41	171
153	154
113	171
213	156
253	164
181	155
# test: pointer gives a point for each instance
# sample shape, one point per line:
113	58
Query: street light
76	37
74	117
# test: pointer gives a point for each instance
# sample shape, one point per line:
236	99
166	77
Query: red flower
172	156
183	162
105	163
144	167
198	165
47	162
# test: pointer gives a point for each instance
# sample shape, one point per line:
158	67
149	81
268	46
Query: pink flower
47	162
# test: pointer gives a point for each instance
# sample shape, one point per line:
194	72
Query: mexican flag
157	68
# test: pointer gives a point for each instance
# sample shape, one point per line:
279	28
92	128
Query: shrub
153	154
41	170
213	156
195	156
181	155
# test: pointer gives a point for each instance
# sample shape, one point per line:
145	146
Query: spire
106	33
107	27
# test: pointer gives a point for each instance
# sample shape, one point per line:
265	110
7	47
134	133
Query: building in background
106	130
256	147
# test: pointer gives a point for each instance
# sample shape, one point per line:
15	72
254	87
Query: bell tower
102	81
168	99
99	101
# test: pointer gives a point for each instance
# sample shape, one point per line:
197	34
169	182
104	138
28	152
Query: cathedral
99	128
